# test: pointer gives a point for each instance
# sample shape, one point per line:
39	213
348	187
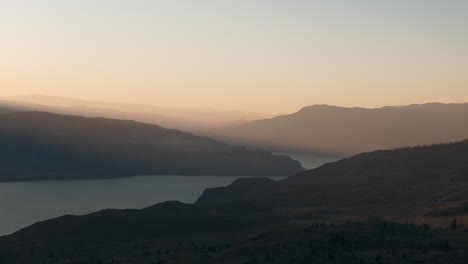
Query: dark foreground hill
340	131
326	215
405	182
42	146
180	233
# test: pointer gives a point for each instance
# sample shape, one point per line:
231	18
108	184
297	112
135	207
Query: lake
24	203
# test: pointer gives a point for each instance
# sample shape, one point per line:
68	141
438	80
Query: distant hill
429	180
185	118
42	146
90	111
4	110
339	131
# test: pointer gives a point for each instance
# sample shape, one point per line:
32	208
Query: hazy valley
233	132
387	206
322	130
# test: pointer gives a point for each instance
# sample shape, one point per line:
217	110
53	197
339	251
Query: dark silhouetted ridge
411	181
42	146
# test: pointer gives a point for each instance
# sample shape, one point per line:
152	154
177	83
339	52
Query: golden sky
261	55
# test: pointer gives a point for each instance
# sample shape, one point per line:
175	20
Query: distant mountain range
188	119
43	146
318	215
339	131
319	129
87	111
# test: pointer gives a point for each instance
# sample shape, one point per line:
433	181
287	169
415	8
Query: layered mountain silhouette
188	119
339	131
92	111
42	146
304	218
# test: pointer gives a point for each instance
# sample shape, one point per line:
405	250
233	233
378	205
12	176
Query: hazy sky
261	55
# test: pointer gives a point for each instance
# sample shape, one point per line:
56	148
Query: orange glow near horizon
261	56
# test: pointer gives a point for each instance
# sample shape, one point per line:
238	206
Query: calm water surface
309	161
24	203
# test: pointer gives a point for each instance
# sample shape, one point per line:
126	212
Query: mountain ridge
38	145
339	131
186	118
427	179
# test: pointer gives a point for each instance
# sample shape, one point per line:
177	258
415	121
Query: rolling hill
408	182
338	131
42	146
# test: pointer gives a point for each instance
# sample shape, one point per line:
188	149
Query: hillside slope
41	146
339	131
430	180
320	215
178	233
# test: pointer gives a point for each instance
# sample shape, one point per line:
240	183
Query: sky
259	55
